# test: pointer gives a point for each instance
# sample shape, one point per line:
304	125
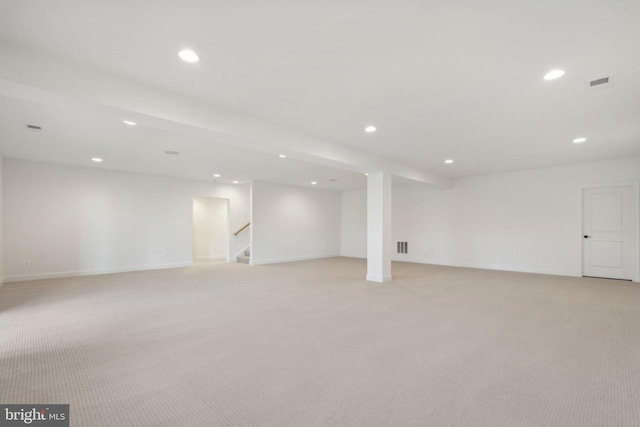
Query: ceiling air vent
599	82
34	128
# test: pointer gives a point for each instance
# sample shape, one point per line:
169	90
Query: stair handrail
241	228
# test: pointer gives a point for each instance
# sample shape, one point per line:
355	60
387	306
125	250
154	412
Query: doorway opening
210	229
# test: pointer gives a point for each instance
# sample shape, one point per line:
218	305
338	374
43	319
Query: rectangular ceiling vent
598	82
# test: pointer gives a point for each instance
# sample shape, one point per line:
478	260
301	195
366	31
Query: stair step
247	252
243	259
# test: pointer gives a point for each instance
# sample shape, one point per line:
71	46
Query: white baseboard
290	259
353	256
210	258
62	274
378	278
517	269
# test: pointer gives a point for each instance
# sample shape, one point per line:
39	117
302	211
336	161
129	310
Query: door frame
635	223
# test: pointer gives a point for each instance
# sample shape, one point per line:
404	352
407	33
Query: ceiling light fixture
129	122
554	74
236	182
96	159
448	161
579	140
188	56
370	129
282	156
216	175
313	183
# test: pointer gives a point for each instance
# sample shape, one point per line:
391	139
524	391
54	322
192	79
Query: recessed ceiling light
554	74
188	56
96	159
236	182
283	156
313	183
370	129
366	174
216	175
129	122
171	153
579	140
448	161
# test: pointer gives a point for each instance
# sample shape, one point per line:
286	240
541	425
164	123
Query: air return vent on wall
598	82
403	247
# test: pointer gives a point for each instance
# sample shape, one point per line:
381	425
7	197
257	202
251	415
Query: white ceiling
75	136
439	80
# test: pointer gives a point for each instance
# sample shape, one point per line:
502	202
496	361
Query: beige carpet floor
311	343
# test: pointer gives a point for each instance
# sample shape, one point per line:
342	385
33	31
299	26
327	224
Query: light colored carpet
311	343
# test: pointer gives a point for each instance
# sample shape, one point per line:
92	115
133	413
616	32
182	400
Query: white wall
210	228
353	228
70	220
1	226
293	223
500	221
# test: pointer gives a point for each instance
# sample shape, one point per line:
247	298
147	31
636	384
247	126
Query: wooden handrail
242	228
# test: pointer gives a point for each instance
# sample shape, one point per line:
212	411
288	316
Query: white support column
379	227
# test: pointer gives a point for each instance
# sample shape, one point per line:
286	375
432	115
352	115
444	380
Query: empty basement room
287	213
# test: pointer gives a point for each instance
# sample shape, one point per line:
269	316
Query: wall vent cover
598	82
34	128
403	247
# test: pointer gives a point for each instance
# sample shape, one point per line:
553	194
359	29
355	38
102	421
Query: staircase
246	257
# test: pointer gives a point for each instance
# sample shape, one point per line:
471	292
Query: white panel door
607	232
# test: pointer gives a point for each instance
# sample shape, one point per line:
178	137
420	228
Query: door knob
586	237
